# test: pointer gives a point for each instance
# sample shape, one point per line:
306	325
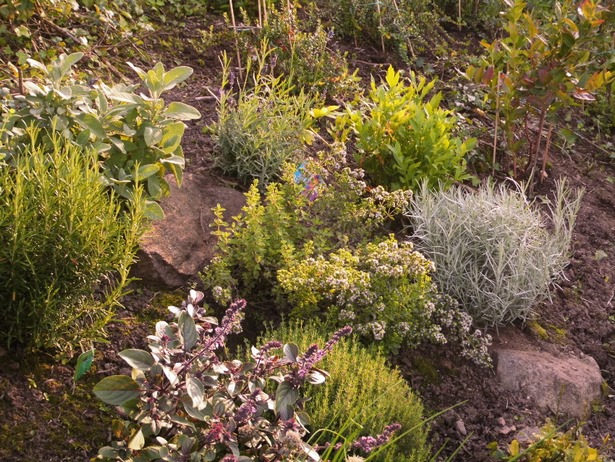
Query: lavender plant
184	401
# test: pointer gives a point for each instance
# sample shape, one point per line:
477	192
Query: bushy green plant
551	445
64	238
402	139
314	257
135	135
262	126
186	402
383	291
285	225
412	27
362	389
44	29
537	68
493	249
305	56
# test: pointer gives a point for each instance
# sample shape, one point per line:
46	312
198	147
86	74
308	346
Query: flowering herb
184	401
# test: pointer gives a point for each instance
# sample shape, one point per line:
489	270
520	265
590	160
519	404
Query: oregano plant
185	401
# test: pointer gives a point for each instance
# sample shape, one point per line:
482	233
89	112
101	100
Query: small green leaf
152	135
175	76
116	389
145	171
181	111
90	122
139	359
187	330
84	362
137	442
171	137
153	211
68	62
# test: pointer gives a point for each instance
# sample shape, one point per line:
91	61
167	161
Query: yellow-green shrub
63	237
362	389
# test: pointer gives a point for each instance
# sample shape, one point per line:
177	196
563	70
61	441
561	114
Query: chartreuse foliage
403	139
135	135
540	66
362	395
493	249
551	445
64	237
316	252
184	401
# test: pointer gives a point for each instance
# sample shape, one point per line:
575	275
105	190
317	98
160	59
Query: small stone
527	435
461	428
505	430
501	422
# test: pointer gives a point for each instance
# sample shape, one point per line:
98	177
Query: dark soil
43	418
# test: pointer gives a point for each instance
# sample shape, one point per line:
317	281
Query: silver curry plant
185	402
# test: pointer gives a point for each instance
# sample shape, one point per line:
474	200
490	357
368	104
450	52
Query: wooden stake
230	2
380	24
545	155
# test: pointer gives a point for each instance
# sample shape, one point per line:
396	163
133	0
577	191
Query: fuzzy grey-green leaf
116	389
139	359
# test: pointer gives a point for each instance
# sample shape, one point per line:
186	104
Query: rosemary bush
63	238
494	250
361	393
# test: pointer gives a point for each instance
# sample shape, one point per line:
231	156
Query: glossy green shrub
135	135
64	238
403	139
493	249
363	391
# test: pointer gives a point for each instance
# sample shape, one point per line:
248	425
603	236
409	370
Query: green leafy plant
402	139
537	68
362	395
384	291
411	27
493	249
64	238
44	29
262	126
285	225
320	257
551	445
136	135
306	57
186	402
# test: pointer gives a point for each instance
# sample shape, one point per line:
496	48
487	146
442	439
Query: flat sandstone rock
564	385
178	247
